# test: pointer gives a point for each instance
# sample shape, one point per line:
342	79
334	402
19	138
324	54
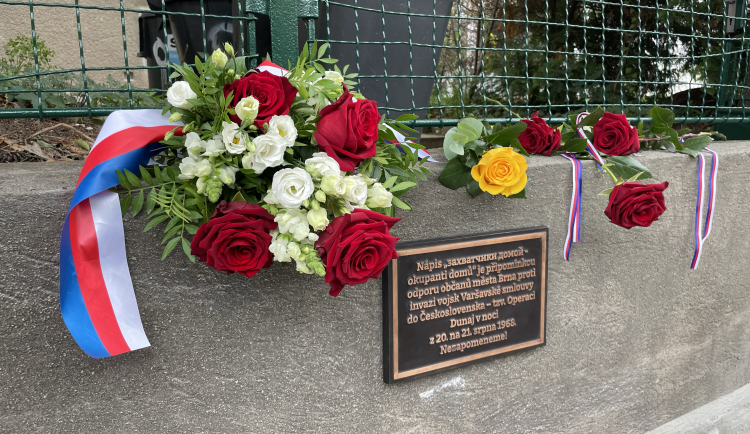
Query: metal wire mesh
445	59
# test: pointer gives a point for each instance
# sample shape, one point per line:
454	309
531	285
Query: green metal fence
441	59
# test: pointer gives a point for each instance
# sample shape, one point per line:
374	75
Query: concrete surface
729	414
635	338
101	31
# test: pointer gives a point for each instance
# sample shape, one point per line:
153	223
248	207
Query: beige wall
101	33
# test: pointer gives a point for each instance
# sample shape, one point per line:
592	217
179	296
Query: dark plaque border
390	300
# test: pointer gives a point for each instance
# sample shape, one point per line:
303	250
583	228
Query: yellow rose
501	170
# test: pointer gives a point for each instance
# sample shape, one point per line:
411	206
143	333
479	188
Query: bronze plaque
454	301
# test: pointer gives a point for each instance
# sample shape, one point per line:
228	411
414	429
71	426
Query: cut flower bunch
493	159
275	165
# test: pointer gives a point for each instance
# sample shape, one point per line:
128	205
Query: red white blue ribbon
574	220
589	146
96	293
701	233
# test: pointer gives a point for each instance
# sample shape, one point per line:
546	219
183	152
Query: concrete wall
101	34
635	338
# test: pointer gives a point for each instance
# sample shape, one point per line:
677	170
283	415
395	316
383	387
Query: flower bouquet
275	165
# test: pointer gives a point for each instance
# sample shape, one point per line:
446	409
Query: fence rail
442	59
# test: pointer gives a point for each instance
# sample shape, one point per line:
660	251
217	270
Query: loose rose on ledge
501	171
356	247
538	137
636	204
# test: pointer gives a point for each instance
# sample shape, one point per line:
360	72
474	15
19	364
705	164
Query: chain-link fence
440	59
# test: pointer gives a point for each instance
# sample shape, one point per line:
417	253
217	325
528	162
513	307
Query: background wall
101	31
635	338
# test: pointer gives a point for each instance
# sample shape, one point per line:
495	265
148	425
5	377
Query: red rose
356	247
274	94
235	239
613	135
636	204
347	130
538	137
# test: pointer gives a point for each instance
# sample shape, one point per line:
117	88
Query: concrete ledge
635	339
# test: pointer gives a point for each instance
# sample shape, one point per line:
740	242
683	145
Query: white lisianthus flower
318	219
379	197
247	161
214	147
234	140
194	144
269	152
334	76
179	94
356	190
284	127
292	186
333	185
226	174
219	58
188	169
324	164
247	108
270	198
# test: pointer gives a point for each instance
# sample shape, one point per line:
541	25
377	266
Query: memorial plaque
455	301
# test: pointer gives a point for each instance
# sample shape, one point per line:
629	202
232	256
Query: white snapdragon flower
247	108
333	185
214	147
379	197
366	179
294	251
201	184
219	58
195	146
278	247
234	140
188	168
318	219
334	76
324	164
302	268
227	174
294	223
270	198
356	190
292	186
269	152
284	127
179	94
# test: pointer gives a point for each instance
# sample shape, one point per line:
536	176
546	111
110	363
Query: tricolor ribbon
574	220
96	293
589	146
701	233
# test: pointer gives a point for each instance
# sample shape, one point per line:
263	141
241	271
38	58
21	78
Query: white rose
214	147
219	58
247	108
378	196
325	164
284	127
356	190
318	219
333	185
179	94
233	139
269	152
292	186
188	168
334	77
226	174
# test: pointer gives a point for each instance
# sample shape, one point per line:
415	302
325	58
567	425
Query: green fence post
283	15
